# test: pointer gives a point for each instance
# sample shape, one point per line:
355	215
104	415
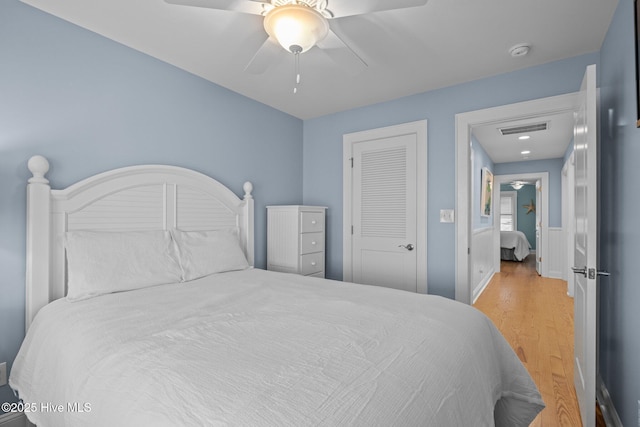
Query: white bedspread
256	348
517	241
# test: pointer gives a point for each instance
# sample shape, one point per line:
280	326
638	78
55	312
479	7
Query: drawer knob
313	263
313	222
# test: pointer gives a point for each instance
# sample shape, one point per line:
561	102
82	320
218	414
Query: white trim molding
464	127
609	413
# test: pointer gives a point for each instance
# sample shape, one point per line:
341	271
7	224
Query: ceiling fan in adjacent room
516	185
299	25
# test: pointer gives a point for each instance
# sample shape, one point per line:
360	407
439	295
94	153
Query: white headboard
148	197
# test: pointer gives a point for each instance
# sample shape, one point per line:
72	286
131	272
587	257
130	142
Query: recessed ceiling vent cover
523	129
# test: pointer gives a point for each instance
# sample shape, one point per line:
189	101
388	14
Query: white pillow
203	253
104	262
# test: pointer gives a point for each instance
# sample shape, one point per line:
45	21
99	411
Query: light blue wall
554	167
480	160
323	150
90	104
526	221
619	207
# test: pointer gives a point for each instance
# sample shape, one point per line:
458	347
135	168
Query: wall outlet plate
3	374
447	215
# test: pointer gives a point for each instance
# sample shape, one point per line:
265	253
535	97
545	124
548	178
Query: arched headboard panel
147	197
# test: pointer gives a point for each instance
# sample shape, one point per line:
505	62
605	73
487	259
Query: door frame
568	201
419	128
464	125
543	251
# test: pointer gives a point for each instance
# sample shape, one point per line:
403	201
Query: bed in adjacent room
186	332
514	246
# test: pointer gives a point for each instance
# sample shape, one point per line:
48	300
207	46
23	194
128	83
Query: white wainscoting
557	254
482	249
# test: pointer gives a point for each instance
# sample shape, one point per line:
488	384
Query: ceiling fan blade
254	7
349	8
264	57
341	53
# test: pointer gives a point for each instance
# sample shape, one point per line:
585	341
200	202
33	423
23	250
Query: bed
219	342
514	246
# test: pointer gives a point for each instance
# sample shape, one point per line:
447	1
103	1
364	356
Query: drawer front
311	222
311	242
312	263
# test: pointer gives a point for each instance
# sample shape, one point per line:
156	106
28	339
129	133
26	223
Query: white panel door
585	248
384	212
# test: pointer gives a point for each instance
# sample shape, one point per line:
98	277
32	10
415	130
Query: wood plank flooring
536	317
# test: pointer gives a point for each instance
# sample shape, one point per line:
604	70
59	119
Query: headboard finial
248	188
39	166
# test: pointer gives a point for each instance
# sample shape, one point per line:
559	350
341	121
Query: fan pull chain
296	50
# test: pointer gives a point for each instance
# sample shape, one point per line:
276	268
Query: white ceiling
408	51
544	144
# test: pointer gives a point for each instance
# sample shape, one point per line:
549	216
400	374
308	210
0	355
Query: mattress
517	241
261	348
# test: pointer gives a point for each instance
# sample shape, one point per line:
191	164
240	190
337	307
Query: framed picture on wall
637	23
485	192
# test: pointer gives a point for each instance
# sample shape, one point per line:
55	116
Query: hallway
536	317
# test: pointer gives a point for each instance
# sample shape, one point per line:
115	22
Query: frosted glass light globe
296	25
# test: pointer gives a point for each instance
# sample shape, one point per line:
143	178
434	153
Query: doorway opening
465	125
539	237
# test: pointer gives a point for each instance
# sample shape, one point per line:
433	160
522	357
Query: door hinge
468	251
352	230
351	159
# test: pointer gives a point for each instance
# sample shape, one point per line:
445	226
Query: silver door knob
578	270
408	247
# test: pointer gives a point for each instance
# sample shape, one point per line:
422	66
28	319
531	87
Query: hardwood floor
536	317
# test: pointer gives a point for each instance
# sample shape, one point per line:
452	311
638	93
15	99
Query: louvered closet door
384	212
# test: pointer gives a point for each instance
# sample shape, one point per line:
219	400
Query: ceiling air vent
523	129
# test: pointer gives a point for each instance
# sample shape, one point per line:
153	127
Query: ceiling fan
519	184
299	25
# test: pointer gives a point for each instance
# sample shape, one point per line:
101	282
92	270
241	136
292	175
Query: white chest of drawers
296	239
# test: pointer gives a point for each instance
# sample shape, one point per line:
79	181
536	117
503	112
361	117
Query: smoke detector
519	50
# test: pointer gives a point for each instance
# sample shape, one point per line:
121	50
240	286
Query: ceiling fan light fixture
296	27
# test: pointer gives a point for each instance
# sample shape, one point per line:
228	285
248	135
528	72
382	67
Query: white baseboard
482	286
555	275
13	419
609	413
